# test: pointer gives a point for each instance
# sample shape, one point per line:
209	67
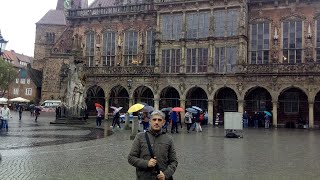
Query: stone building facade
222	55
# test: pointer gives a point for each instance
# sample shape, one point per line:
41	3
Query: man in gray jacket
164	159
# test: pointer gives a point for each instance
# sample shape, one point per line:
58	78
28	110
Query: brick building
222	55
27	84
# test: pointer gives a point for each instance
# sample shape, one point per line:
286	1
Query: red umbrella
98	105
177	109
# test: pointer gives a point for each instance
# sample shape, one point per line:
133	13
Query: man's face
5	106
157	122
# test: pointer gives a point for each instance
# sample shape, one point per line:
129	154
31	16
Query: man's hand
152	162
161	176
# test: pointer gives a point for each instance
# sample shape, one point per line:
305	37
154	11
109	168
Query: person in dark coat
164	162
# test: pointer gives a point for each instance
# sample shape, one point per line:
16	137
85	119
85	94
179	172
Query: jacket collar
156	134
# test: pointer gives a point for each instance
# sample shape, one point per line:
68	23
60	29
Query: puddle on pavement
57	139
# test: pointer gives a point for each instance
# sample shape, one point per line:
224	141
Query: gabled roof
53	17
16	57
24	58
35	75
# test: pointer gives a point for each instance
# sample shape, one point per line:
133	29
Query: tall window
131	48
16	91
318	40
197	25
226	22
225	59
197	60
170	61
260	43
292	41
109	50
151	50
50	37
171	26
90	48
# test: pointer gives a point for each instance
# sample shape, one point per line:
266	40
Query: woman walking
188	120
5	115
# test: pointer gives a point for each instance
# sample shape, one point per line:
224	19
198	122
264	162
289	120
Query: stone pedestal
134	128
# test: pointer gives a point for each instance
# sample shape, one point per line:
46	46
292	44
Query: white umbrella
117	110
196	108
19	99
3	100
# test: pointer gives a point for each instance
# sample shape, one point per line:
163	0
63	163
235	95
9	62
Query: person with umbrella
267	119
36	113
116	120
188	120
174	121
100	113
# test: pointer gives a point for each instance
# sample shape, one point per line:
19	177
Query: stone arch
119	97
293	105
94	94
316	111
197	96
143	94
169	97
225	100
257	99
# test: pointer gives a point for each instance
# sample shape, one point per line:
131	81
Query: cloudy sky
18	19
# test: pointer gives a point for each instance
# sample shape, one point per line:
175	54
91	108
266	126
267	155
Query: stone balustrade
119	70
112	10
310	68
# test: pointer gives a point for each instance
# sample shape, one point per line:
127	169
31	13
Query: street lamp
3	44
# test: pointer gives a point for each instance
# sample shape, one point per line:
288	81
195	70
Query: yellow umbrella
135	108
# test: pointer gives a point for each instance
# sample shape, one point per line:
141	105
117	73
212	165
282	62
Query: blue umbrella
267	113
166	109
191	110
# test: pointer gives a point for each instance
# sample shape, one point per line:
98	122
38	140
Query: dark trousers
20	115
174	126
98	121
189	126
36	117
116	122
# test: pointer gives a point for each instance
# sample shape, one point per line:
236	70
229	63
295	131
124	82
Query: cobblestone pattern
261	154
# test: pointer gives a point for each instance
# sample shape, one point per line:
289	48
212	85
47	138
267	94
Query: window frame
170	60
150	48
131	53
265	37
317	39
199	59
222	52
109	48
288	50
30	91
90	48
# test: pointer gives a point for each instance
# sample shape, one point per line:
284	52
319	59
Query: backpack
201	117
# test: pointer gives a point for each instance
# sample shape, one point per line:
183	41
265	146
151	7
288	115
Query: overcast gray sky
17	22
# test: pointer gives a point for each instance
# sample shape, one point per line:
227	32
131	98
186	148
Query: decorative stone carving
182	87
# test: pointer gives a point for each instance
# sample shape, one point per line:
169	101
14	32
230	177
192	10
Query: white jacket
5	113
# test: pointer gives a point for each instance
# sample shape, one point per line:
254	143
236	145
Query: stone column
134	129
210	112
274	114
127	123
106	109
156	104
241	106
311	118
183	105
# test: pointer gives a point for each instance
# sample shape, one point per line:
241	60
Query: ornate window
197	60
318	40
226	22
197	25
171	26
131	48
292	41
90	48
225	59
151	50
109	50
259	41
170	61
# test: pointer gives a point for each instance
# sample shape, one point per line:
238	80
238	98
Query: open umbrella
135	108
177	109
196	108
98	105
166	109
114	108
267	113
147	109
191	110
19	99
117	110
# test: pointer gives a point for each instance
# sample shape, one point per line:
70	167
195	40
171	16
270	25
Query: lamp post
3	44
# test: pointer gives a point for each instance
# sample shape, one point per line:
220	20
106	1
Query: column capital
210	100
274	102
241	101
311	102
182	100
156	99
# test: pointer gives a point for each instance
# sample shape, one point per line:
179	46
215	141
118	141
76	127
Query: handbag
151	151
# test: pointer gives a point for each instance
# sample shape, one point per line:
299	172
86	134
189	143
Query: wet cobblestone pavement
42	151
